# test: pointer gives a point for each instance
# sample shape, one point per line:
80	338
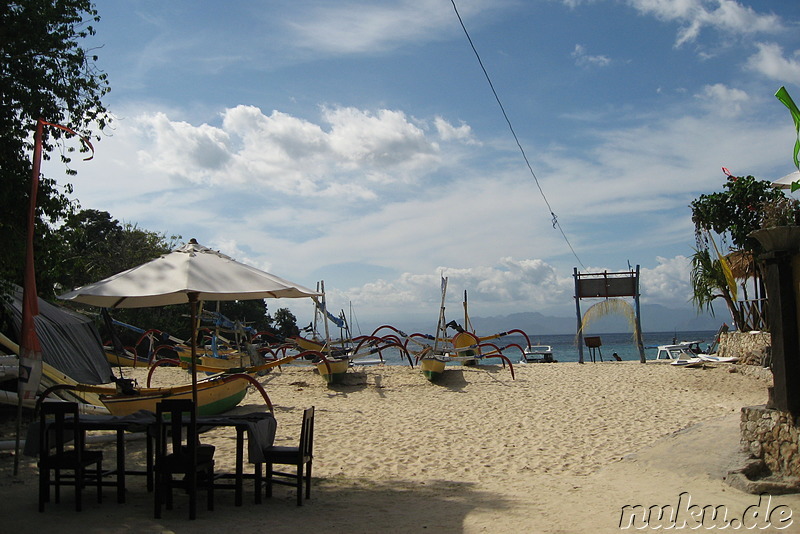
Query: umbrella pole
193	366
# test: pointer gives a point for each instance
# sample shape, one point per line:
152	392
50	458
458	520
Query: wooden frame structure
607	285
781	283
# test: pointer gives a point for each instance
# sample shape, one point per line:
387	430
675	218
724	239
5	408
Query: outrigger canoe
432	368
333	370
332	366
215	395
464	347
128	359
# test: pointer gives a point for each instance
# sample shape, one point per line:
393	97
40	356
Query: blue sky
359	143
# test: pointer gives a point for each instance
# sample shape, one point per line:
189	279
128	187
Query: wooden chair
55	455
176	456
300	456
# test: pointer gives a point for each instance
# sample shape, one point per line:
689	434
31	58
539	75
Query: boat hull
689	363
537	354
213	397
125	361
216	365
334	371
432	368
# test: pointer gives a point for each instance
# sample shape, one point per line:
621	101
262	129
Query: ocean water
565	348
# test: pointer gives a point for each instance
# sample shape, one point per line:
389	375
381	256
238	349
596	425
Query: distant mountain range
655	318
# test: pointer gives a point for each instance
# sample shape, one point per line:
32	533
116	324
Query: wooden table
259	426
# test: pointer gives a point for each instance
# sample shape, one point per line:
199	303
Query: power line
555	222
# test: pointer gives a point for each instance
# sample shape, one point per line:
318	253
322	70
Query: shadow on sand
338	504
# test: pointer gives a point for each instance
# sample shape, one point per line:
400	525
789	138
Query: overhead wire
556	224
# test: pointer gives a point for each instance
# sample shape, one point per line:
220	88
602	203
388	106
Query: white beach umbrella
786	181
190	269
188	274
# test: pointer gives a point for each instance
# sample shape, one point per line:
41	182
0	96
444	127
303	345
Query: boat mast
467	323
441	327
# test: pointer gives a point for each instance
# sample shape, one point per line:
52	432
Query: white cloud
582	59
723	15
770	61
668	282
354	27
351	154
255	186
178	148
507	287
500	288
723	100
448	132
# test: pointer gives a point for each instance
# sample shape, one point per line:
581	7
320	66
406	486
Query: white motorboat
537	354
679	351
688	354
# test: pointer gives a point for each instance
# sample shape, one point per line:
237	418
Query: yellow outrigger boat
215	394
464	347
129	359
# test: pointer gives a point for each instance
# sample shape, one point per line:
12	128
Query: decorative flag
338	321
784	97
30	351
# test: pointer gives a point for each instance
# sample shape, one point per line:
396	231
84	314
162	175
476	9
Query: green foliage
707	279
47	74
735	212
709	283
93	246
285	322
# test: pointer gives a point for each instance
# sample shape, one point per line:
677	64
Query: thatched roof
742	264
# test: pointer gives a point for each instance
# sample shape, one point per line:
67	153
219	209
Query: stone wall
771	436
752	348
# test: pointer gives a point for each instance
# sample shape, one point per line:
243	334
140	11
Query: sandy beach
563	448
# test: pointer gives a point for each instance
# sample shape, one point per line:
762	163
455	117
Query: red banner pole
30	352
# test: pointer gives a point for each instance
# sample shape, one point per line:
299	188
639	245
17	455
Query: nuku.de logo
685	515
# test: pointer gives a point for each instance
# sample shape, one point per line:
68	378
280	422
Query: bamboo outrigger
464	347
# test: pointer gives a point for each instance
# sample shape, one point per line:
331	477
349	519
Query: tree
93	246
285	322
735	212
88	239
741	208
44	73
709	283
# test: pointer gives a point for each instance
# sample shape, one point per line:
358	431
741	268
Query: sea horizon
565	347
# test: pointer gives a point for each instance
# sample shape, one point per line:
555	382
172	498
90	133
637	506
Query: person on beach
616	357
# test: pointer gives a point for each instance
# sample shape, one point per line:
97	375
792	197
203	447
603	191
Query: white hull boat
537	354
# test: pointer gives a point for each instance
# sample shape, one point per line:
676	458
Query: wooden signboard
607	285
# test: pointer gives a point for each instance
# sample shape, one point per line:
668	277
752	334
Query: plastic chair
55	434
300	456
176	456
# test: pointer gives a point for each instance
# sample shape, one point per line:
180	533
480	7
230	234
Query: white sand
560	449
